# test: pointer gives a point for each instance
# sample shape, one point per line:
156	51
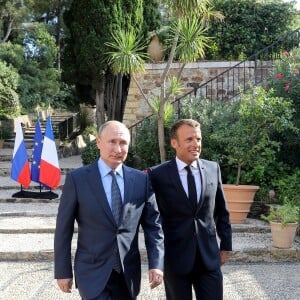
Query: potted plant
284	220
242	131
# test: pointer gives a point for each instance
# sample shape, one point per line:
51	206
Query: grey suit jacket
185	228
83	199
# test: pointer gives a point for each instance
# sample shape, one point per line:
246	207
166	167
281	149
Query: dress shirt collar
105	169
181	165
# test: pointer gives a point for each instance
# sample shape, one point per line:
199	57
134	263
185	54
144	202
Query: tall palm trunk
163	100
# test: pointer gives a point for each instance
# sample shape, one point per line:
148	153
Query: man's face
188	143
113	144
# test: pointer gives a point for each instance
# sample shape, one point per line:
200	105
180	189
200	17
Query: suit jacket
84	200
185	228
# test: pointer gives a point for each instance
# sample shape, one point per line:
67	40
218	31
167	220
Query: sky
297	3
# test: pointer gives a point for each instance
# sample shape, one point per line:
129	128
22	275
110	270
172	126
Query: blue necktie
191	186
116	198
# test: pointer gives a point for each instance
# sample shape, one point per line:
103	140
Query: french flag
49	168
20	170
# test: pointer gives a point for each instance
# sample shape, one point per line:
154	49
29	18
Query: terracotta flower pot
239	199
155	50
283	236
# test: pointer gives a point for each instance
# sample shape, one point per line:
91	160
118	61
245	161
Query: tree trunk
163	100
116	92
160	124
58	35
100	108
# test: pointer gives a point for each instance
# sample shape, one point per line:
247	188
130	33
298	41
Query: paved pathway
263	281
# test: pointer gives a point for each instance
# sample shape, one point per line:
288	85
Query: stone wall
137	108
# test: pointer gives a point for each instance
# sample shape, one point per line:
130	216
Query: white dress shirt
183	176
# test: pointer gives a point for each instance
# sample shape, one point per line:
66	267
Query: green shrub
248	26
287	188
286	213
285	82
145	150
90	153
238	134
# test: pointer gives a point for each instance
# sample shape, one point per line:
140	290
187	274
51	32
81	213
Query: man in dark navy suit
109	201
193	209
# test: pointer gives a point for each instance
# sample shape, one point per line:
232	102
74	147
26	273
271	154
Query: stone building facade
195	73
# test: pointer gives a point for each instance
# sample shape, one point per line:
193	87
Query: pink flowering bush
285	80
285	83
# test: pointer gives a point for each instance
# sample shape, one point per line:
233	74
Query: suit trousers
208	285
116	288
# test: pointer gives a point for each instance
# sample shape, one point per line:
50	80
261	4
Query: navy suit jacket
84	200
185	228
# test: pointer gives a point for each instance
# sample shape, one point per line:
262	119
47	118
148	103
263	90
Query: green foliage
284	214
285	82
287	188
40	45
192	40
85	54
12	54
145	146
238	134
249	26
39	81
9	99
151	16
90	129
127	55
90	153
6	129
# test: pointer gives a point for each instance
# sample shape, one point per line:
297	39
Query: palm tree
188	43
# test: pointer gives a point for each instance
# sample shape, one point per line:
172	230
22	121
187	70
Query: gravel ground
264	281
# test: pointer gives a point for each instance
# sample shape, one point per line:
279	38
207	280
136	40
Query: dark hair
179	123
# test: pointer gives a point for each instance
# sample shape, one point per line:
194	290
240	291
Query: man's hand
65	284
224	255
155	277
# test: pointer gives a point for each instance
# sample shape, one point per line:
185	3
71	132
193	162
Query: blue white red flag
36	152
49	168
20	170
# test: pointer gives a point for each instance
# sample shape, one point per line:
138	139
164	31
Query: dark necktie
116	198
191	186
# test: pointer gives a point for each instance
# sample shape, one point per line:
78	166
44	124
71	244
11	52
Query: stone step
29	209
27	224
31	217
39	246
8	183
28	247
7	157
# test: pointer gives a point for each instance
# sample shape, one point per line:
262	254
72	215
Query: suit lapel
203	182
97	189
128	182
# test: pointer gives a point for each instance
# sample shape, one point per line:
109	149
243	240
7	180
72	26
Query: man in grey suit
109	201
193	209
